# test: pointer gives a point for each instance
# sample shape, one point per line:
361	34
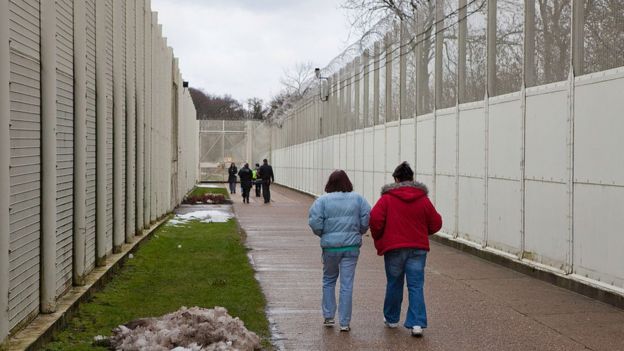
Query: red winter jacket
403	218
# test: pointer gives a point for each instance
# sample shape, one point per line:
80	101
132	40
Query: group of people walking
400	223
261	177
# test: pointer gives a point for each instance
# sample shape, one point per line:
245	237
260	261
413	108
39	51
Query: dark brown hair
403	172
338	181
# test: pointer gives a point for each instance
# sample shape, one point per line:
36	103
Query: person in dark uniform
257	180
232	171
245	176
266	174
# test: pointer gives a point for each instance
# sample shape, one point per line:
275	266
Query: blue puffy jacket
339	219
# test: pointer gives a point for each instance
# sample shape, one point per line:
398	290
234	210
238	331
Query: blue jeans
401	263
232	187
334	264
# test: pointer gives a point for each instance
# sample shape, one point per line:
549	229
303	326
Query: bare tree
364	14
297	78
256	109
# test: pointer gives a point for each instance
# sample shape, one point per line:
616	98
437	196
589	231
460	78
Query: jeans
233	187
334	264
401	263
258	187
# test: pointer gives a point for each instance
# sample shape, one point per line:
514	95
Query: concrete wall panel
424	148
598	242
546	238
446	143
379	153
471	209
369	149
445	201
598	130
394	146
408	141
505	131
472	140
546	133
504	215
350	152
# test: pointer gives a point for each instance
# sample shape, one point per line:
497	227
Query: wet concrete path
472	304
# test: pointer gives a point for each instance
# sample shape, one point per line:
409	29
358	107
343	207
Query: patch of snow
213	186
206	216
175	222
188	329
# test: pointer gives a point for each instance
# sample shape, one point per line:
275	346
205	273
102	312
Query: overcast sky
241	47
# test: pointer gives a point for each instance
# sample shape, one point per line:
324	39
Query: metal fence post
491	48
5	159
48	157
130	123
578	36
140	112
118	210
80	142
100	87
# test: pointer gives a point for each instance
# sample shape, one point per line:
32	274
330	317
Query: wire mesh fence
225	142
457	51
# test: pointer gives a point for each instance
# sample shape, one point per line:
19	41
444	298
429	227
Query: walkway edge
570	282
274	332
41	330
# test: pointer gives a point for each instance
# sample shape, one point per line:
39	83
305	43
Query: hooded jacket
245	176
339	219
403	217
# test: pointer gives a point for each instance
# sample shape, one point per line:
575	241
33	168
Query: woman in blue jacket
339	217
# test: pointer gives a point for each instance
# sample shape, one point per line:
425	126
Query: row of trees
295	82
212	106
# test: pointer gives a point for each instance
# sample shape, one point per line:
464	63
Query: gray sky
241	47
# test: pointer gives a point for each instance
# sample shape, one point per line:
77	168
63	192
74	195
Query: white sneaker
390	325
345	328
417	331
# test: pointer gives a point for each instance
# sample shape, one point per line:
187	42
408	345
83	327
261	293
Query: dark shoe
328	322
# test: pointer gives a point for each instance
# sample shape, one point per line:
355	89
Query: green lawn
198	191
210	269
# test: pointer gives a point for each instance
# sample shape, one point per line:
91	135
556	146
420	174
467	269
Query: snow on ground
204	185
188	329
206	216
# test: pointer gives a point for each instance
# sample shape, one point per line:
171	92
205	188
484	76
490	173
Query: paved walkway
472	304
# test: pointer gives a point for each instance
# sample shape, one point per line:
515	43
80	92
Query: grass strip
196	264
199	191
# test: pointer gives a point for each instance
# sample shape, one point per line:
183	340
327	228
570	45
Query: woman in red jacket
401	222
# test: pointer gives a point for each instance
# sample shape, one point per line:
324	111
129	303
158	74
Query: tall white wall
57	60
504	173
521	154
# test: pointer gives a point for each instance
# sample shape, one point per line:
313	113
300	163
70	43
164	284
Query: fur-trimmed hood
407	191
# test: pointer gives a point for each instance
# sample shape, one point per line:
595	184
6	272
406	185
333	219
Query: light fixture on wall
185	84
323	85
